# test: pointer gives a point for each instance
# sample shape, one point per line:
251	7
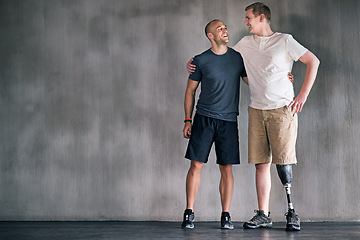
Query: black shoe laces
291	217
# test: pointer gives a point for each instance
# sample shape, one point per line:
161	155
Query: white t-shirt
267	62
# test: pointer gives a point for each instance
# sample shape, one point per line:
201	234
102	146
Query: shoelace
257	215
291	216
258	218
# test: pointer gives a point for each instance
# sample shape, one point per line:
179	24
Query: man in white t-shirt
268	56
273	110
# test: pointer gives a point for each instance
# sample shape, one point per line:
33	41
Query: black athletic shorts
205	131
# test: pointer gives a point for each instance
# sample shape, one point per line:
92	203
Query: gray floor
169	230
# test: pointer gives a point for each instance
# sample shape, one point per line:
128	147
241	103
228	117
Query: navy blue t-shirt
220	82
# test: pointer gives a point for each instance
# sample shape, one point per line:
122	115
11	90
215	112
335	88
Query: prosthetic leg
285	175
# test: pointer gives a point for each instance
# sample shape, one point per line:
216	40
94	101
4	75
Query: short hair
260	8
207	27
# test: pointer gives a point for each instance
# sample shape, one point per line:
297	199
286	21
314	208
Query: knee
196	166
262	167
226	170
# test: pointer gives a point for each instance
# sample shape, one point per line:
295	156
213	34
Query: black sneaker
189	219
293	221
260	220
226	221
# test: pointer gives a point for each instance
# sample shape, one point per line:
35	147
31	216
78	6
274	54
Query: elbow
316	62
310	59
190	93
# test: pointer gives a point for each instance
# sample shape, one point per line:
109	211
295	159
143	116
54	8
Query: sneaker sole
292	228
226	227
187	226
268	225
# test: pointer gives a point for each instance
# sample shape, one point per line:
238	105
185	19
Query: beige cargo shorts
272	136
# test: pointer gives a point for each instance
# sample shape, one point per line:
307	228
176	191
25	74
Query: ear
262	17
210	35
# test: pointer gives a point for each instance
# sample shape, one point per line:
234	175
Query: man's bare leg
263	186
193	181
226	186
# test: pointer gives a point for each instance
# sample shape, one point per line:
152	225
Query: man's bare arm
312	65
189	105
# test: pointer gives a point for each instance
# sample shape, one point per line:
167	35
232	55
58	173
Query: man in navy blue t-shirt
219	70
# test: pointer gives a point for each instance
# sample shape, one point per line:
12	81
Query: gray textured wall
92	110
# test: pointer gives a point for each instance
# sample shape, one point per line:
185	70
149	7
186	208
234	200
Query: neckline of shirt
219	54
268	37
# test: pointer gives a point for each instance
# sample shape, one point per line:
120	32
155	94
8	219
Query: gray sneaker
292	221
260	220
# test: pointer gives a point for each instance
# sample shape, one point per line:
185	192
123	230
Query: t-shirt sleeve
237	46
197	75
295	49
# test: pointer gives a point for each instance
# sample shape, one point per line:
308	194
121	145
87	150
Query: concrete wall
91	110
